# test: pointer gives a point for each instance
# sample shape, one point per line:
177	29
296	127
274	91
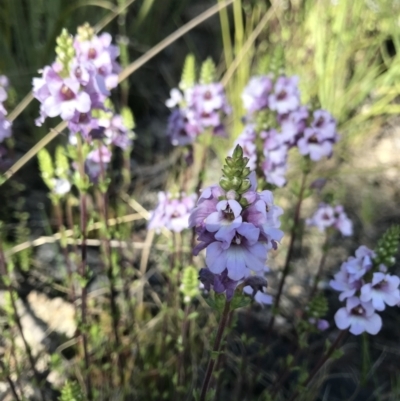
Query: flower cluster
5	125
199	105
276	117
172	212
197	109
367	287
328	216
76	86
235	224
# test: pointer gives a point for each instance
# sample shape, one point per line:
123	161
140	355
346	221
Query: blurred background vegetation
346	53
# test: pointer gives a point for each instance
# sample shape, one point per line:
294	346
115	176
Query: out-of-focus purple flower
325	123
73	91
314	145
359	316
97	162
320	324
255	94
102	54
318	139
318	184
360	264
247	140
384	289
327	216
200	108
293	124
256	287
3	88
115	131
285	96
5	125
345	283
275	151
171	212
180	129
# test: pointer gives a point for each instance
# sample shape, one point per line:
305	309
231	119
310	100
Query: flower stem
216	348
103	205
321	362
83	226
293	235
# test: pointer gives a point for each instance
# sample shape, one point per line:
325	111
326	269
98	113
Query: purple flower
345	283
180	129
225	220
243	254
327	216
314	144
199	108
293	124
74	90
285	96
255	94
357	266
343	223
382	290
320	324
60	96
256	287
247	140
171	212
3	88
359	316
5	125
318	139
97	162
102	54
325	124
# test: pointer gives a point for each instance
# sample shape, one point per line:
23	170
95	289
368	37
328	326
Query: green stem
216	348
293	235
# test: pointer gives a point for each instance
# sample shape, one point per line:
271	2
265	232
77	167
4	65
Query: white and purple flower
172	212
358	317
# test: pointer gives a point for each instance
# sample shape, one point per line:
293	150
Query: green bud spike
188	78
229	161
318	307
238	152
236	174
246	171
244	187
46	168
208	72
190	283
128	118
65	51
236	183
387	247
277	64
225	184
85	32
